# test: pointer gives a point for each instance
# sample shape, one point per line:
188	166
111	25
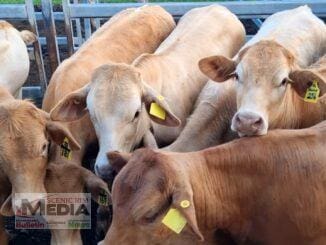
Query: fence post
37	47
50	34
68	26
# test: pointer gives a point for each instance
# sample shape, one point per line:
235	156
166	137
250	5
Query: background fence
81	19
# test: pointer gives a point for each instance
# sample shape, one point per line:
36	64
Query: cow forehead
20	117
263	63
144	170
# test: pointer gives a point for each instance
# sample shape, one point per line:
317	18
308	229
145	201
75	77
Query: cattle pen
61	29
80	19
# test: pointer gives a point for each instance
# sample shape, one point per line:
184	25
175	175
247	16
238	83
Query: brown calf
266	190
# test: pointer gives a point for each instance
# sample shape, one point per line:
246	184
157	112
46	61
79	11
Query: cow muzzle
104	171
249	124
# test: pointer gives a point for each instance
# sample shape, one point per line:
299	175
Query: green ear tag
103	198
174	220
65	149
312	93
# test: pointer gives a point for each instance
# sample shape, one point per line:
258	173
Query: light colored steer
14	59
210	122
123	38
287	41
120	97
262	190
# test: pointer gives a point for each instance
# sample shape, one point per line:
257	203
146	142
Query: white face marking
114	123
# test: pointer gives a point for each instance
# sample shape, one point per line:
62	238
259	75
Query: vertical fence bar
50	34
37	47
68	26
78	29
87	22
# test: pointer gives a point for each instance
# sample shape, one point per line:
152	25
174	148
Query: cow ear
158	109
6	208
182	199
303	79
218	68
118	159
28	37
97	187
72	107
58	132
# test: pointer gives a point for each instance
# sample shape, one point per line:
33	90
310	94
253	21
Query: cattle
58	180
262	190
14	59
263	69
25	133
123	38
210	122
129	104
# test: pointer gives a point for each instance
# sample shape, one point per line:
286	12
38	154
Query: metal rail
26	12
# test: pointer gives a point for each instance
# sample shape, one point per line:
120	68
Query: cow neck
226	185
150	67
5	95
296	113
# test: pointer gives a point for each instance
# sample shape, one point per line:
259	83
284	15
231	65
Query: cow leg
66	237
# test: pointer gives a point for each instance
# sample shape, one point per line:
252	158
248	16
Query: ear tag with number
312	93
157	111
174	220
103	198
65	149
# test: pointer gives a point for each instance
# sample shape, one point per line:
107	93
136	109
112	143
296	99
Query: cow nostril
258	122
237	119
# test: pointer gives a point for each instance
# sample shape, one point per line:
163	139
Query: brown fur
267	190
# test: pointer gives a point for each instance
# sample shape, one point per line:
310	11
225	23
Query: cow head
143	193
25	133
118	102
263	75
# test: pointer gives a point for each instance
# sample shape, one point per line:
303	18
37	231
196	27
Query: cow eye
45	149
236	76
136	115
284	82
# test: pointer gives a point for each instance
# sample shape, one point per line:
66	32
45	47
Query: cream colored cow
287	41
121	98
14	59
123	38
210	122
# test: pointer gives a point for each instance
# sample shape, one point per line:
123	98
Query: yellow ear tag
157	111
103	198
160	97
65	149
312	93
184	204
174	220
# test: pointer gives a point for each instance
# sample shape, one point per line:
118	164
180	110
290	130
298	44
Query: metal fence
82	18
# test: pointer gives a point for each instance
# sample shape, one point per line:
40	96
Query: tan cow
124	37
59	179
210	122
287	41
121	97
14	59
25	132
262	190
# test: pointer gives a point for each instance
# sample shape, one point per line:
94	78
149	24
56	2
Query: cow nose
248	124
105	172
